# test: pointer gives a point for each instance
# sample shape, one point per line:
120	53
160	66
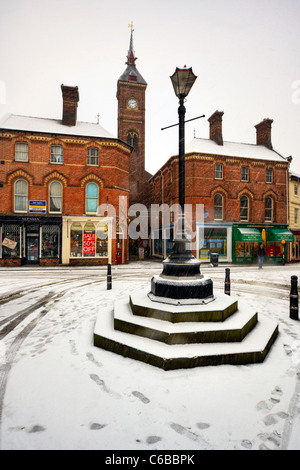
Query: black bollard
294	302
109	283
227	281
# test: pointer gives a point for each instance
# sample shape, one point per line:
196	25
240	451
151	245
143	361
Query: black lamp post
181	278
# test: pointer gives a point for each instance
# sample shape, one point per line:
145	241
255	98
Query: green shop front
247	238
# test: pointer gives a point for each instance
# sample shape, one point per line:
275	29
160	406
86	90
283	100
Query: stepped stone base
185	336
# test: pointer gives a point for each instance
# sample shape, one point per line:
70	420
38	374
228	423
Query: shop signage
39	207
89	243
11	244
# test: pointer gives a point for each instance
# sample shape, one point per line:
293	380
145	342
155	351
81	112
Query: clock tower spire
131	91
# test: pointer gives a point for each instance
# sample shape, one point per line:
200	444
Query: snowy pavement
57	391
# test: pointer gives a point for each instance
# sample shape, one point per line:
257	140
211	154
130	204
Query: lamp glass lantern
183	80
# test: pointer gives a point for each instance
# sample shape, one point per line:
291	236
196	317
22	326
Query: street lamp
182	80
181	278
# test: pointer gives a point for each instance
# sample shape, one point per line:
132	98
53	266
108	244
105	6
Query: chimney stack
215	127
70	102
263	133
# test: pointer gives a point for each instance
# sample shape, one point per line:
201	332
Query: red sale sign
89	243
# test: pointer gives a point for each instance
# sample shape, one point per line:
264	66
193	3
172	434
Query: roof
132	75
233	149
52	126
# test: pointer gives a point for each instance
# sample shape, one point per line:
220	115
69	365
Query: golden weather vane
131	26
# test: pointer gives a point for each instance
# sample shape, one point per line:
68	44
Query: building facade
56	179
243	191
294	216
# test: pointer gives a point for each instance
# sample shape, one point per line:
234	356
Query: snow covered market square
60	392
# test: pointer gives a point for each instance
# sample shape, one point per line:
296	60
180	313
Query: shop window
76	240
11	241
50	241
218	207
57	155
92	156
21	152
269	209
215	241
92	198
55	197
219	171
21	196
244	208
89	240
102	240
269	175
245	173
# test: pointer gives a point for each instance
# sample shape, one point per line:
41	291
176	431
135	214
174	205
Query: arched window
244	208
55	197
218	207
21	196
269	209
132	139
91	199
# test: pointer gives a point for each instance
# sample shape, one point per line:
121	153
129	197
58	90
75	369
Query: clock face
132	103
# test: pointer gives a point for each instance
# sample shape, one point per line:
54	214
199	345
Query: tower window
132	139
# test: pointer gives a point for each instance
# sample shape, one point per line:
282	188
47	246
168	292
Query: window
269	209
218	207
245	173
296	189
269	175
11	241
21	196
55	197
21	152
91	198
219	171
57	155
92	156
244	208
132	139
88	240
50	241
296	216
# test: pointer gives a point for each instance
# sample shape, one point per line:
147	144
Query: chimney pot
215	127
70	102
263	133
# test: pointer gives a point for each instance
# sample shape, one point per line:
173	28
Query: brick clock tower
131	93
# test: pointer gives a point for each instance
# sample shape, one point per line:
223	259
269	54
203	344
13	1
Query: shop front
247	238
277	241
245	243
91	241
214	239
32	240
294	251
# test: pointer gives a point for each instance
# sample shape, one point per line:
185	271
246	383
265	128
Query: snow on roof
52	126
233	149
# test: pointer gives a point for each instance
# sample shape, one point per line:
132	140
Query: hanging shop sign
11	244
37	207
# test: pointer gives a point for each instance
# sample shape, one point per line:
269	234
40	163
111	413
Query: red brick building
243	188
54	174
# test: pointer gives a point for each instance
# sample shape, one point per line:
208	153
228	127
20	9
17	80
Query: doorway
32	249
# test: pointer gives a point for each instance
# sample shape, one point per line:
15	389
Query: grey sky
245	54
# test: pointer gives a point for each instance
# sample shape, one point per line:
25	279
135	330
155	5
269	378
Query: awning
279	234
248	235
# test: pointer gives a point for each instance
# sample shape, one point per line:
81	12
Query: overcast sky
246	54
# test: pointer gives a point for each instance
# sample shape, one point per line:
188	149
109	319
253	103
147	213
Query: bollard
227	281
294	309
109	283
